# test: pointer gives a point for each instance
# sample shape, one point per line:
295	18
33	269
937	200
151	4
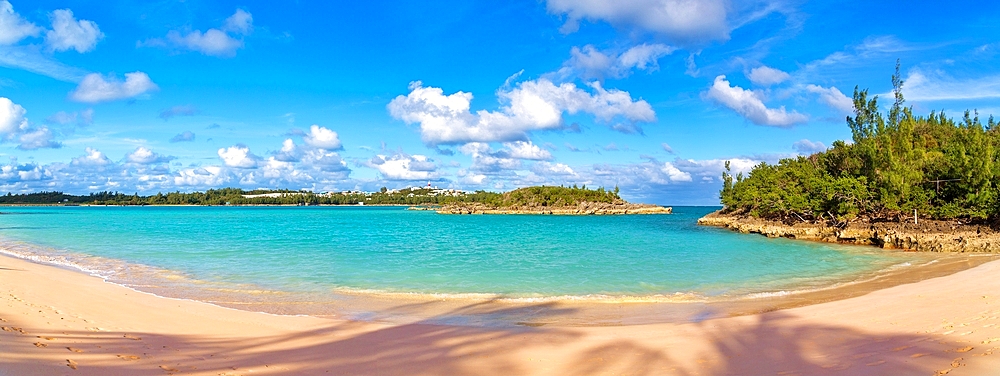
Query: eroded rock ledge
584	208
926	235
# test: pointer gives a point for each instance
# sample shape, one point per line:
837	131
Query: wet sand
57	321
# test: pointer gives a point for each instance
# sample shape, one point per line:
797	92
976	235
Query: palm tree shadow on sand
771	343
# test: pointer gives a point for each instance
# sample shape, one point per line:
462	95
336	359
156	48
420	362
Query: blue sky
650	95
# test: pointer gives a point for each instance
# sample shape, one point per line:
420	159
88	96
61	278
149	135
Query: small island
551	200
905	182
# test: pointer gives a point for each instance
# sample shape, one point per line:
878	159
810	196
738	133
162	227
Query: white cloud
37	138
405	167
323	138
673	173
96	88
68	33
471	179
14	126
142	155
833	98
685	21
240	22
238	156
214	42
14	28
12	118
645	56
526	150
485	160
93	158
531	106
590	63
289	152
807	147
749	105
14	173
550	169
326	161
208	176
767	76
642	177
937	85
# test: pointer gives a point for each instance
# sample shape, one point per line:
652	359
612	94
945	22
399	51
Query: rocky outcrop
926	235
584	208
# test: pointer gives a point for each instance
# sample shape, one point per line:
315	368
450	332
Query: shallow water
265	251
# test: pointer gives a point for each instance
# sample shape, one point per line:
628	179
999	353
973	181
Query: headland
926	235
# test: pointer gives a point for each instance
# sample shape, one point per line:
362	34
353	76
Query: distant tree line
532	196
897	163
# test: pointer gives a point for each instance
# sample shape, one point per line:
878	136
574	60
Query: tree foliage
897	163
530	196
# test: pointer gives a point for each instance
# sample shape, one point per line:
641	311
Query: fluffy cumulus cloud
322	138
526	150
401	166
12	117
326	162
684	21
807	147
485	160
37	138
552	169
674	174
590	63
69	33
289	152
19	176
14	127
186	136
13	27
749	105
767	76
97	88
530	106
146	171
144	156
238	156
93	158
221	42
208	176
833	98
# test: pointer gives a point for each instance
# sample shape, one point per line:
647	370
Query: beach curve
58	321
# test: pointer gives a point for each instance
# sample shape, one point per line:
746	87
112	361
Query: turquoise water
390	249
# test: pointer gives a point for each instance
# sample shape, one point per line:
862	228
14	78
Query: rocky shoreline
584	208
925	235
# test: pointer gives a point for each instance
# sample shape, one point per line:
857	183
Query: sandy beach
62	322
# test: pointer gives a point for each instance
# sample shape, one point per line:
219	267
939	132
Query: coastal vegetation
551	200
897	165
542	196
